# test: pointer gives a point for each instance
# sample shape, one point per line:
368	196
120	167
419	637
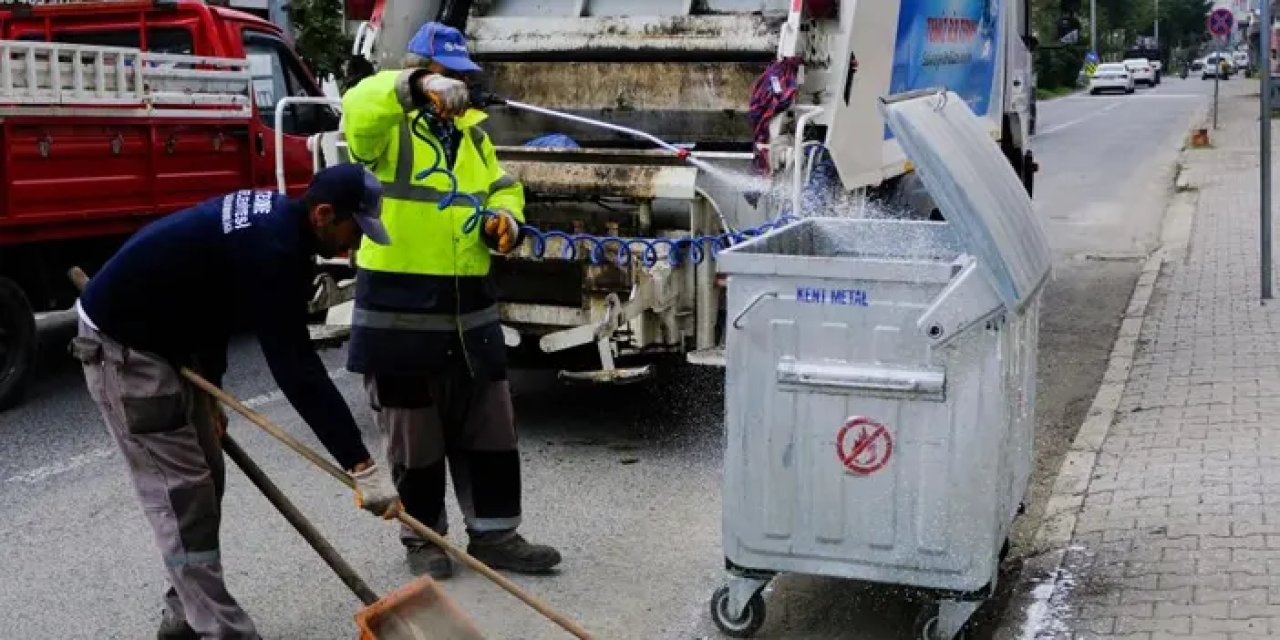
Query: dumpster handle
754	301
941	92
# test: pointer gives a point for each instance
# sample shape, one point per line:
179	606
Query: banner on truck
953	44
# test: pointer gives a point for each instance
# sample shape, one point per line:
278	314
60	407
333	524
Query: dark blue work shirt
182	285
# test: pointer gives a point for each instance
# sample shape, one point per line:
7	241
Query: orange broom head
419	610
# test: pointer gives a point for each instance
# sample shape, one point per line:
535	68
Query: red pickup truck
92	146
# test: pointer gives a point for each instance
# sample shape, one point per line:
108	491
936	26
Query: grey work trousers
176	465
428	420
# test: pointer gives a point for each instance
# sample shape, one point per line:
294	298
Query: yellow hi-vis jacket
425	240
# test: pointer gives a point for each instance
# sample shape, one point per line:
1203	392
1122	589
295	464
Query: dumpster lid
975	188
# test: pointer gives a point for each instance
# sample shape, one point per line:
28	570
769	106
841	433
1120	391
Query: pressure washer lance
483	99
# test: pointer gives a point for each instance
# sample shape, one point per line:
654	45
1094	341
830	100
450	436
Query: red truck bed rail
110	137
96	80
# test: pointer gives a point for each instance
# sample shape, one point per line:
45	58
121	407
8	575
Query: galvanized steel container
880	382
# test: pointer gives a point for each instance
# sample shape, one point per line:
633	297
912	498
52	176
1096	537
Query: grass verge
1054	92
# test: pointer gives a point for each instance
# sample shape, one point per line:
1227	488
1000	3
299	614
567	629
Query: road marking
1136	96
1077	121
58	468
42	473
276	394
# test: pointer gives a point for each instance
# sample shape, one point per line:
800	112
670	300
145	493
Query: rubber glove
504	229
219	420
448	96
375	492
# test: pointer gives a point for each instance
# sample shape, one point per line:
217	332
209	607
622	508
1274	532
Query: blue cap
355	192
445	45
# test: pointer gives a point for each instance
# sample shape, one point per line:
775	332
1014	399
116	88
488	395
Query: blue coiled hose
678	250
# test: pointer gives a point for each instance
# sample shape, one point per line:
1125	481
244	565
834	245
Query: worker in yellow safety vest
425	329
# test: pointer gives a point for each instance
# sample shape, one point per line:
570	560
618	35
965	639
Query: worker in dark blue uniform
172	297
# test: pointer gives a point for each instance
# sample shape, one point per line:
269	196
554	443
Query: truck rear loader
765	94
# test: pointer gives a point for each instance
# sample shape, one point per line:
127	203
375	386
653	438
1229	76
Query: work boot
175	628
429	559
508	550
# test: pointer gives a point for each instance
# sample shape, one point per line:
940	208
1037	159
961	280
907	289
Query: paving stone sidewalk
1166	519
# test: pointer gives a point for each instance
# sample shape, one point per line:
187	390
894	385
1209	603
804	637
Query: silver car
1142	71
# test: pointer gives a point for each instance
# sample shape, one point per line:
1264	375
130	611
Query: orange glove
219	421
448	97
504	229
213	411
375	491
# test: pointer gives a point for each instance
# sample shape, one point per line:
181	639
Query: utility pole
1264	139
1093	27
1157	25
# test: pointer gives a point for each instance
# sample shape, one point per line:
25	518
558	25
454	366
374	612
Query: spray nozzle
481	99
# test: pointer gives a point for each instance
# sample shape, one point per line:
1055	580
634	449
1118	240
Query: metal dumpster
881	384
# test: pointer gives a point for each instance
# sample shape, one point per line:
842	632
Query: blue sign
952	44
841	297
1092	56
1220	21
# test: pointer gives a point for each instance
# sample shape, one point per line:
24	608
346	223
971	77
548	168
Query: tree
1121	22
1183	20
317	27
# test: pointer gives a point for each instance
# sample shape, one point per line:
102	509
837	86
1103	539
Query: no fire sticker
863	446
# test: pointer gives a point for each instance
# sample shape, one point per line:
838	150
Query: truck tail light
358	10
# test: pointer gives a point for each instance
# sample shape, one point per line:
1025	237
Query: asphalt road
624	481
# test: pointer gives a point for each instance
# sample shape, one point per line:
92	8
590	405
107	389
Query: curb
1067	496
1043	570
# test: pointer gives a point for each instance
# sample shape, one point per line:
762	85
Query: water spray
695	249
486	99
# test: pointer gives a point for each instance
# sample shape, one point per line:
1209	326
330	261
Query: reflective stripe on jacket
425	240
427	297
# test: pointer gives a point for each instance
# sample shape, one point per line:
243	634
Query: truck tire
17	343
1029	169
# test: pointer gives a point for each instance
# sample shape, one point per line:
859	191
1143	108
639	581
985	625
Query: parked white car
1142	71
1240	60
1217	66
1111	76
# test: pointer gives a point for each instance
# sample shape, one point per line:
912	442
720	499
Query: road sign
1220	21
1090	63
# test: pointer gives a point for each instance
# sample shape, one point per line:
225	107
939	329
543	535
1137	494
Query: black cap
354	192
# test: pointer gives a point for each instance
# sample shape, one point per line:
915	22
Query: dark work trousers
455	418
176	466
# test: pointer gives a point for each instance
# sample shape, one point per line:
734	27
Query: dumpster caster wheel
926	626
743	626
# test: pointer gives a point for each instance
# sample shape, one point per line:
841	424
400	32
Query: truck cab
78	174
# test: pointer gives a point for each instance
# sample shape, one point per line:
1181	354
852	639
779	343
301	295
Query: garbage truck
772	106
